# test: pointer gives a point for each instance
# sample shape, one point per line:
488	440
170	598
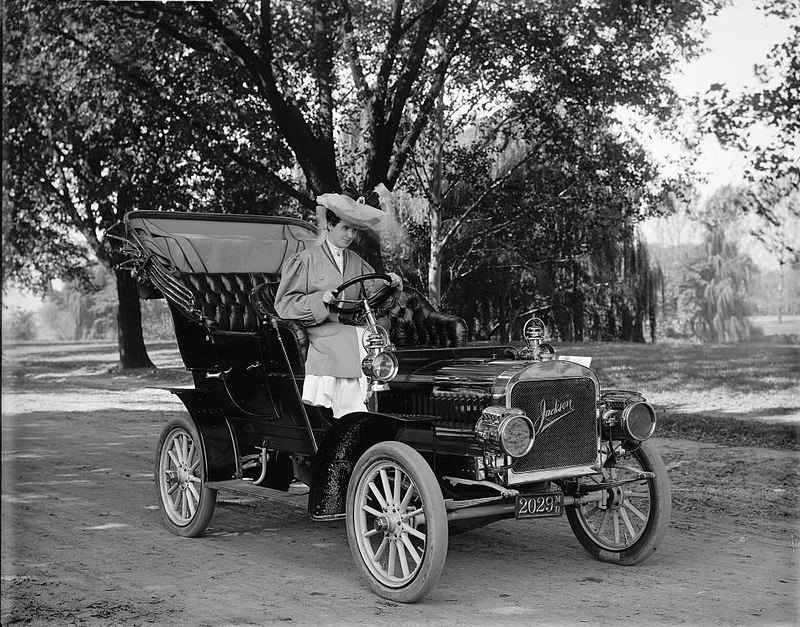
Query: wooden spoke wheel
396	522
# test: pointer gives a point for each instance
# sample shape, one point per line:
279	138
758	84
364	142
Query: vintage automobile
458	435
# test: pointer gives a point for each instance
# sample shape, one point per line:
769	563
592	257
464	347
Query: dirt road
82	542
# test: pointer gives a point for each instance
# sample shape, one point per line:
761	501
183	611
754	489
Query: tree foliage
774	105
714	291
764	124
539	173
257	107
82	147
18	325
714	299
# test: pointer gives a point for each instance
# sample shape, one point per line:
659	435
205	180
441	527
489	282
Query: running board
268	494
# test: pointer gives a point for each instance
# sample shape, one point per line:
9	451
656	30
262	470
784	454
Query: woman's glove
327	297
396	281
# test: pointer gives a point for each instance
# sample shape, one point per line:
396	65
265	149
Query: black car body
458	435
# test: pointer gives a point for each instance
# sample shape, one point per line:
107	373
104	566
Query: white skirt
343	395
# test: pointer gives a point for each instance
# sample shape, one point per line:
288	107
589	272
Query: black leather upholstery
224	298
414	323
262	298
242	302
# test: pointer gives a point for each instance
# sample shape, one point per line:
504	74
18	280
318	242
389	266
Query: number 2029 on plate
539	505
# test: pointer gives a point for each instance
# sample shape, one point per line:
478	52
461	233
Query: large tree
544	98
230	100
351	87
87	139
331	75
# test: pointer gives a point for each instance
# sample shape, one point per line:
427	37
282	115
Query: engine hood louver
456	409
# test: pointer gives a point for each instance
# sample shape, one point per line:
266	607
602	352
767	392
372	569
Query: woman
333	367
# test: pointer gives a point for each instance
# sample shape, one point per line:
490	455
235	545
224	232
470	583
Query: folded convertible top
211	242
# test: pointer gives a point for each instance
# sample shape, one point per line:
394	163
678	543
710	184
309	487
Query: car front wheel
630	520
186	504
396	522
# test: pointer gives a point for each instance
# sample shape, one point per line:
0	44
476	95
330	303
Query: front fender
345	442
216	434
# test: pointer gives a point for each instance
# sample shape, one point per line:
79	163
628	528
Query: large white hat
356	212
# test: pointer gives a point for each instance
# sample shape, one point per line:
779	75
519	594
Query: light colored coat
305	277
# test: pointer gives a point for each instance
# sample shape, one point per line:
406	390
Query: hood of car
486	374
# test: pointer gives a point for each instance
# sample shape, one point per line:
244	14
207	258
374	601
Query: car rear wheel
396	522
630	521
186	504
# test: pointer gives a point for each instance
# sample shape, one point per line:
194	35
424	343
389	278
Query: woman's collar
333	246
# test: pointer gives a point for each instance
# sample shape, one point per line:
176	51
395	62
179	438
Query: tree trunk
780	292
577	305
132	351
435	263
626	328
653	321
501	318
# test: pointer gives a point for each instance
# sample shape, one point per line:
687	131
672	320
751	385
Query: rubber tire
208	497
436	533
656	526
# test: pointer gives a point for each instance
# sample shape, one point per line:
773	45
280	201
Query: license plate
539	505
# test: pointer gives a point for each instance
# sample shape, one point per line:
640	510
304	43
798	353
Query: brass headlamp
380	365
535	347
506	429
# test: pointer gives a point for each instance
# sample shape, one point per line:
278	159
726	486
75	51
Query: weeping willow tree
714	291
609	291
609	294
633	290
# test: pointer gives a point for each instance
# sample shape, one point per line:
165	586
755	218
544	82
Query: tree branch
357	71
265	32
390	52
324	73
456	271
84	225
195	43
313	155
413	64
437	84
423	179
230	37
199	127
490	136
495	184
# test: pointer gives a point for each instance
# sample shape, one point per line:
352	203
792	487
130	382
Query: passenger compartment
219	274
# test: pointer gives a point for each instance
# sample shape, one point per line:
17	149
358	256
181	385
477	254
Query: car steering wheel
357	307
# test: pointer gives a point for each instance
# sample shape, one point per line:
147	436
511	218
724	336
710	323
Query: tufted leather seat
243	301
224	298
414	323
411	320
262	298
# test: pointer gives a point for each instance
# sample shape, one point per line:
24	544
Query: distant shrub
157	320
19	325
714	300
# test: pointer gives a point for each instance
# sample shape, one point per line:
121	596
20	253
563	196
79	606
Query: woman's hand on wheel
396	280
328	297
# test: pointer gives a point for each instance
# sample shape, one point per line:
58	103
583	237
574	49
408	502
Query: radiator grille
570	440
456	410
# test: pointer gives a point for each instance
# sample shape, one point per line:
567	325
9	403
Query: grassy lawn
790	325
747	394
736	394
